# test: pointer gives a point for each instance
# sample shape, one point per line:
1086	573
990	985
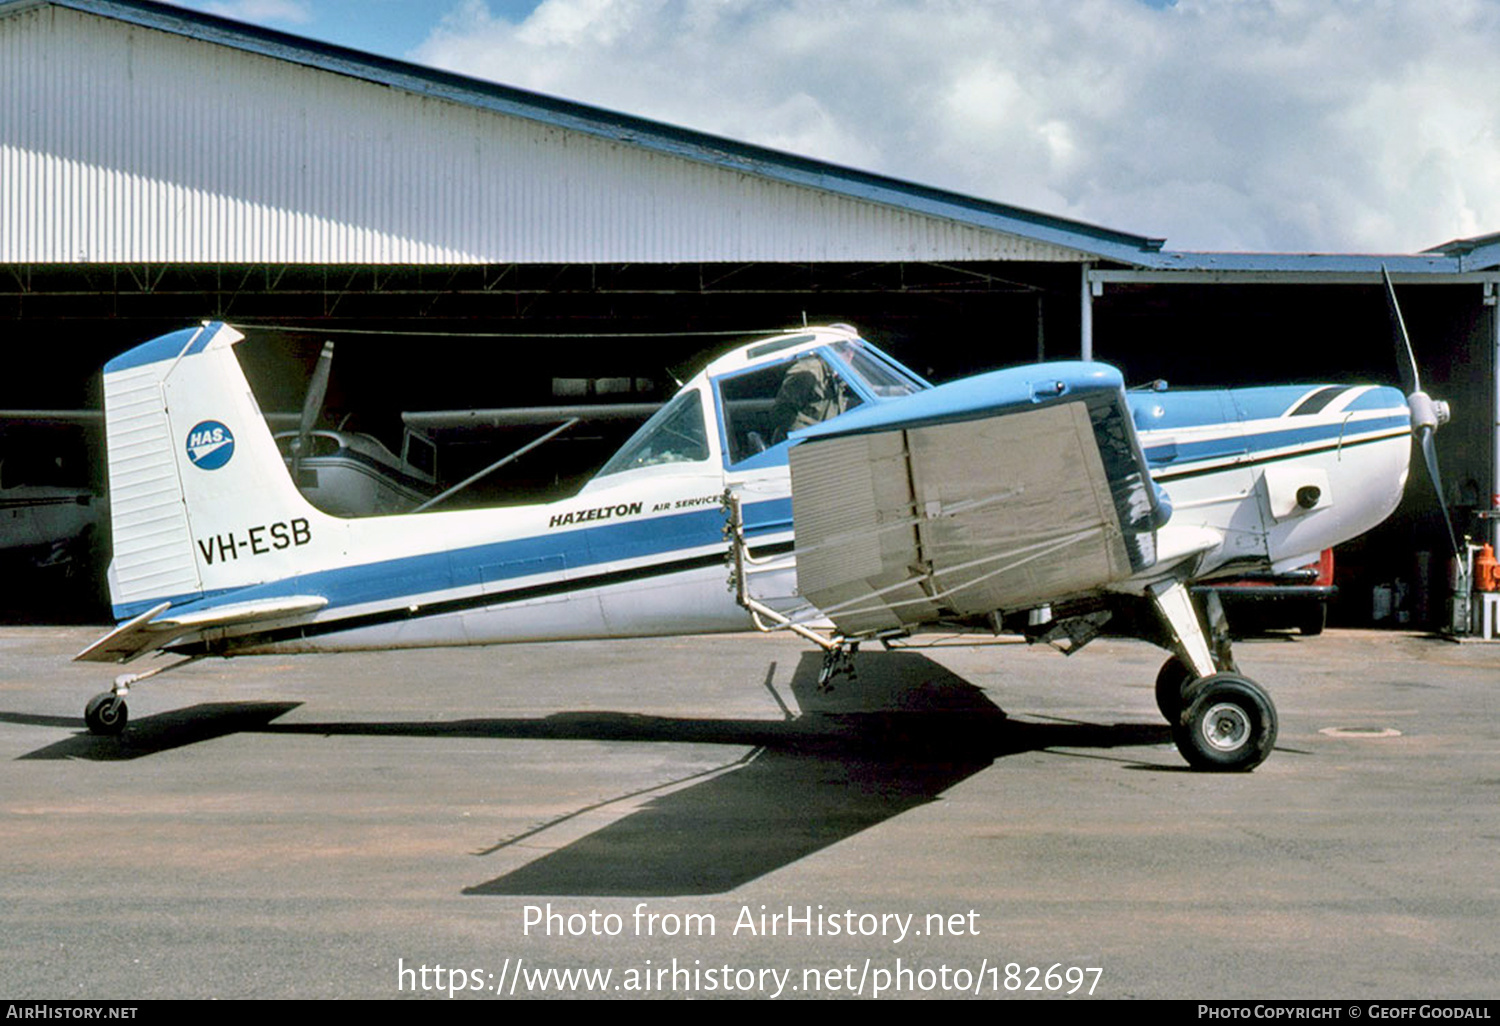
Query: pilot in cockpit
810	393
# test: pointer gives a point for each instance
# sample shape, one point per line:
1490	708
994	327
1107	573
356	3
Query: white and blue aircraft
851	500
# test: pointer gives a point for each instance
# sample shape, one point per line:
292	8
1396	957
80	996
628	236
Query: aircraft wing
512	416
92	418
155	628
86	418
1002	491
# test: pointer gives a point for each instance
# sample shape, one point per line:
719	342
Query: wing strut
742	564
838	651
523	450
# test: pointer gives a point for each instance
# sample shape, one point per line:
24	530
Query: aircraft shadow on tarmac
906	731
158	733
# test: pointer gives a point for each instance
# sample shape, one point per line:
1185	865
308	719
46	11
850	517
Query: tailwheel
106	714
1228	724
1171	681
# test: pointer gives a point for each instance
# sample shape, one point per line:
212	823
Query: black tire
1171	682
106	715
1314	620
1227	726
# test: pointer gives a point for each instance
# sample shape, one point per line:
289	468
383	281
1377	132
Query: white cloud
1265	124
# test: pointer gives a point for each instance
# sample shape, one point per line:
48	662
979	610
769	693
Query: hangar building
468	245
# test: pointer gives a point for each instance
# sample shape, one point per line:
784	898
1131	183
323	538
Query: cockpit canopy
760	394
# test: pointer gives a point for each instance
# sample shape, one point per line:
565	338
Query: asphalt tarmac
997	822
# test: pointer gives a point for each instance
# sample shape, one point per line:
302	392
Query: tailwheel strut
106	713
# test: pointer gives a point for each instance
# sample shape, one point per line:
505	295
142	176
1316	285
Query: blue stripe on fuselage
1249	446
409	576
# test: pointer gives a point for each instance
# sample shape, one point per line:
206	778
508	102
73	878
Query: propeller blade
1427	414
1427	438
1406	359
312	406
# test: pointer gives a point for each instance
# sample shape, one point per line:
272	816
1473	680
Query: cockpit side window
763	406
674	434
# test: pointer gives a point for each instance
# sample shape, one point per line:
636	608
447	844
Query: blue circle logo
209	445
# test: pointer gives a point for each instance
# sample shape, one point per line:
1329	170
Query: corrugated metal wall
120	144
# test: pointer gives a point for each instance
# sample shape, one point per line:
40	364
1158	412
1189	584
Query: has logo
209	445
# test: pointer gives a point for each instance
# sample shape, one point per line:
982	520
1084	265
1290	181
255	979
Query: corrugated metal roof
783	177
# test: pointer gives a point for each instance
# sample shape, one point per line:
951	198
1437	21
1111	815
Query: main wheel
106	715
1228	724
1171	681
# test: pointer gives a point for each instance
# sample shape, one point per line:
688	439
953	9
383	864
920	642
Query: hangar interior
627	252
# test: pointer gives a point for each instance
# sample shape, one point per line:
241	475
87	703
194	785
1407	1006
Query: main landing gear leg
1220	720
106	713
837	660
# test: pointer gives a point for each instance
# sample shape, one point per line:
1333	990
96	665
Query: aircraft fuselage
1255	478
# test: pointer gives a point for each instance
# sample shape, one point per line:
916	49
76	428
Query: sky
1368	126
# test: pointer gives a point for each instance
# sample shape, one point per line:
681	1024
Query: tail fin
200	500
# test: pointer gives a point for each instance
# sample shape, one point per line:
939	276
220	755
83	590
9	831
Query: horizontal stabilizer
244	612
125	642
151	630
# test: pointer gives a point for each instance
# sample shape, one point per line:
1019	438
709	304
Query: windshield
674	434
881	379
